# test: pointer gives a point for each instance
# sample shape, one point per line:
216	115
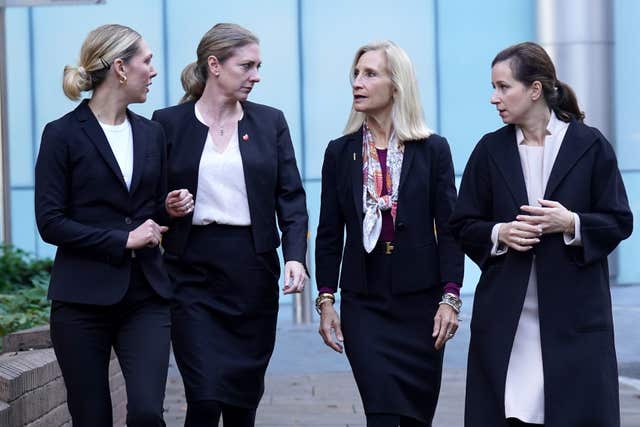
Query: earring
123	80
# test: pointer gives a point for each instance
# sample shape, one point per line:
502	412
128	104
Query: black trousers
138	328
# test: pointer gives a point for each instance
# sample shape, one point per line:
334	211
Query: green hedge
23	290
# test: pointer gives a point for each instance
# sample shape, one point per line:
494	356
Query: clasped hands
525	232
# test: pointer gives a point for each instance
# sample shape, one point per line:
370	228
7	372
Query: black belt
385	248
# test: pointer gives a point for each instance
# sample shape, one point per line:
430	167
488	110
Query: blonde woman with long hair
388	180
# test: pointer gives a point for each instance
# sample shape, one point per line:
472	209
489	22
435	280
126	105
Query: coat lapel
92	128
505	153
572	148
355	160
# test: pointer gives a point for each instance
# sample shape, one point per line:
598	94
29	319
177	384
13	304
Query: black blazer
84	207
576	324
426	195
270	172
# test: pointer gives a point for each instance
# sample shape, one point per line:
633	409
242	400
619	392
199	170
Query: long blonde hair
101	47
220	41
406	113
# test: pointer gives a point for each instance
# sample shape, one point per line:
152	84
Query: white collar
554	127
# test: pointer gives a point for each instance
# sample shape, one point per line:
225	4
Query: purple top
387	233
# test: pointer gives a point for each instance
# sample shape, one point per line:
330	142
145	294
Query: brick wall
32	392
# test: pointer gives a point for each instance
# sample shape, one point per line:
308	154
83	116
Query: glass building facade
307	49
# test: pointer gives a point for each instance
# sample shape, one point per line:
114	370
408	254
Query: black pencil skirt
224	314
388	343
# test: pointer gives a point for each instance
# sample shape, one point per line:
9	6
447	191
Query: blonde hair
101	47
220	41
406	113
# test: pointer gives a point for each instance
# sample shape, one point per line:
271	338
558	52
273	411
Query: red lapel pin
245	137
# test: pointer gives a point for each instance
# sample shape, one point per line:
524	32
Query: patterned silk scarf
373	202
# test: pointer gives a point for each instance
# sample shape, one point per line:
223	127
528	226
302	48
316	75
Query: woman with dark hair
237	159
100	186
541	206
389	181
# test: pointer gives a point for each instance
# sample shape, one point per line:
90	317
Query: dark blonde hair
101	47
529	62
220	41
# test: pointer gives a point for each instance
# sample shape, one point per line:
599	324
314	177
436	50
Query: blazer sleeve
450	256
291	205
52	182
610	220
330	234
472	220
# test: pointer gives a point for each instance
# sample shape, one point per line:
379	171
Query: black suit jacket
84	207
426	195
574	303
270	172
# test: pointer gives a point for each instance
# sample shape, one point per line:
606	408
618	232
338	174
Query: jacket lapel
355	160
505	153
573	146
407	159
139	149
92	128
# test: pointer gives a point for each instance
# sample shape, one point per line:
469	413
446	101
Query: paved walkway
310	385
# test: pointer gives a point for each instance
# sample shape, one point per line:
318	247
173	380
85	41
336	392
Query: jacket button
400	226
127	220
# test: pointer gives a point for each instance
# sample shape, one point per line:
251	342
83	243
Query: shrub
23	290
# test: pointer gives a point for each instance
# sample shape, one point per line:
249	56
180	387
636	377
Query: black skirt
389	345
224	314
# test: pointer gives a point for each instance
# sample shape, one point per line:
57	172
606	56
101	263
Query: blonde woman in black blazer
399	279
237	159
99	197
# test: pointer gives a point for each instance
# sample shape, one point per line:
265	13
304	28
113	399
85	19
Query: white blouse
222	192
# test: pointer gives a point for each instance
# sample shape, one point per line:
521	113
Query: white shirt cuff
498	248
576	238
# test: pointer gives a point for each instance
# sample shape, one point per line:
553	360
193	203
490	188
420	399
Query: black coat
426	195
271	175
576	327
84	207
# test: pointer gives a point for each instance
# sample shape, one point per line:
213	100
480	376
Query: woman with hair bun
237	159
389	181
100	187
541	206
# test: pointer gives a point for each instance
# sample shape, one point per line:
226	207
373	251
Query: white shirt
222	191
120	139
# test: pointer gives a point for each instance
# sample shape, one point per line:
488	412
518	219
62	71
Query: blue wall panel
470	34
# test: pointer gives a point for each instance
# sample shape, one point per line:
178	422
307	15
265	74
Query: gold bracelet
322	298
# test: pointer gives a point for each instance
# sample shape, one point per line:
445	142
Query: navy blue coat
576	326
83	207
